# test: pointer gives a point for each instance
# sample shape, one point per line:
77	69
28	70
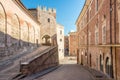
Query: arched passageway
108	67
46	40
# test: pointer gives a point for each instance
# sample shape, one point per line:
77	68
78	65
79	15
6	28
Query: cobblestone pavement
68	72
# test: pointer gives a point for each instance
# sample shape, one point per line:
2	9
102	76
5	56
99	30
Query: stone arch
3	25
31	34
46	39
108	65
25	33
15	30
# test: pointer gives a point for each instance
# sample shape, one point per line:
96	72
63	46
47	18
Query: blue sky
67	10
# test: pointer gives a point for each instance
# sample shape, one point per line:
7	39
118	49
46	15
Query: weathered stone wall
48	22
18	28
46	59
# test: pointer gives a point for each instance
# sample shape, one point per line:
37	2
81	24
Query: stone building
66	45
72	44
98	31
49	27
60	40
47	18
19	30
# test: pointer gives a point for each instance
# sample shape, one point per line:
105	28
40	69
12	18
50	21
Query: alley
68	72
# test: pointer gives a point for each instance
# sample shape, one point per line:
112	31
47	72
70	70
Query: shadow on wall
10	45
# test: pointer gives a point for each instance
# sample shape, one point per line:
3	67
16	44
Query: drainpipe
115	36
111	38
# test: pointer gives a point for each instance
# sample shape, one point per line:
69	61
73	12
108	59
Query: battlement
50	10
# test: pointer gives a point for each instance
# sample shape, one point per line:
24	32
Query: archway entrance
101	63
108	67
46	40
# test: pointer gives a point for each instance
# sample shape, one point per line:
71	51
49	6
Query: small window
48	19
60	40
96	5
60	31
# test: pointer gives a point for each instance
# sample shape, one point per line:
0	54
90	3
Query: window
89	13
60	40
104	35
96	5
89	37
96	35
60	31
49	20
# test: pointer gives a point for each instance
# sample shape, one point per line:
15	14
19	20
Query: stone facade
49	27
72	44
47	18
18	28
66	45
60	40
98	32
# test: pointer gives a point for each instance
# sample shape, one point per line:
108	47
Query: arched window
96	35
104	30
2	26
104	34
96	5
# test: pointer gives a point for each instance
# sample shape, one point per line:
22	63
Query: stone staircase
10	67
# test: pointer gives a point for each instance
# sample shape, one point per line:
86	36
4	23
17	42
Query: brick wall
89	50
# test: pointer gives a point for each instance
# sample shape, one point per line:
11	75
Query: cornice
21	6
86	5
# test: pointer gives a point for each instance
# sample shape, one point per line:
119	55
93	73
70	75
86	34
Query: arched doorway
82	58
108	67
101	63
46	40
90	60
